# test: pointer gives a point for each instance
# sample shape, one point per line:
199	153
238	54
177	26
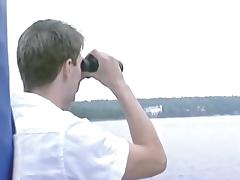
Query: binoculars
90	64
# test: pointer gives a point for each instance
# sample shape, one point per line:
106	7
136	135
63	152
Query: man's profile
52	143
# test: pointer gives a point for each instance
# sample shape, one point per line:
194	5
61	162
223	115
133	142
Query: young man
52	143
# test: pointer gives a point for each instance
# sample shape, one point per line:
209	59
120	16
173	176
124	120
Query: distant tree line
171	107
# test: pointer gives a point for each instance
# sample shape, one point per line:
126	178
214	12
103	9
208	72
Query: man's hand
108	73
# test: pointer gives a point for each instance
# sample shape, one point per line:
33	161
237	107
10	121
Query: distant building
154	111
201	108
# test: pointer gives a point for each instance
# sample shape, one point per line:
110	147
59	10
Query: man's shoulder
33	113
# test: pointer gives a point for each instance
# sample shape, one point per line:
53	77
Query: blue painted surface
6	119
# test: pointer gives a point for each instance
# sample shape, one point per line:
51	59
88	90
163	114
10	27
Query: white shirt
54	144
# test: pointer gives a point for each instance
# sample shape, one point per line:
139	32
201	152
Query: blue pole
6	121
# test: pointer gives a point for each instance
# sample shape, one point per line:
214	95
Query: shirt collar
31	99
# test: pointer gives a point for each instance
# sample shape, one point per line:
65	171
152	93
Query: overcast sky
171	48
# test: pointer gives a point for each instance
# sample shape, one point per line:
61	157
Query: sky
168	48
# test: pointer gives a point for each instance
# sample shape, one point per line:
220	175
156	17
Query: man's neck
50	94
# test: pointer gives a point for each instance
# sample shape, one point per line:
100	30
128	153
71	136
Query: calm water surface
199	148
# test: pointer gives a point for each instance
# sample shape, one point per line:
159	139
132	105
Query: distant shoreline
98	110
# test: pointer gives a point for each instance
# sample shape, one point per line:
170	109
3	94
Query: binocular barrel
90	64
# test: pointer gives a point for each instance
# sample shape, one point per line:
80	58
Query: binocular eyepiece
90	64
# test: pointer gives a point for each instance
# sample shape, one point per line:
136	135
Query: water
199	148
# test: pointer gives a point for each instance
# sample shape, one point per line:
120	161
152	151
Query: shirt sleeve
91	153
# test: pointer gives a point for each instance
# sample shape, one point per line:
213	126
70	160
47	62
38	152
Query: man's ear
67	69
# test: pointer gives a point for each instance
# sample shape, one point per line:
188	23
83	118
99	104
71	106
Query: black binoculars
90	64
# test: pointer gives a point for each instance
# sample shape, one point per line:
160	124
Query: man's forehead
80	56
